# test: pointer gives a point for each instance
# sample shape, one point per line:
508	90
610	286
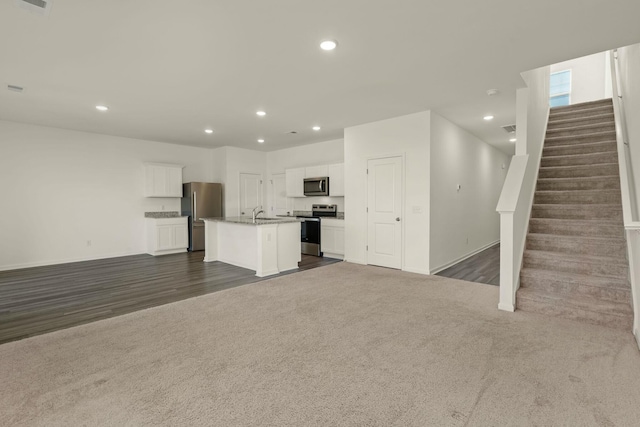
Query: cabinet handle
195	207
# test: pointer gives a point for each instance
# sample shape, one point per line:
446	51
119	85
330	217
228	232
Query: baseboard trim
416	270
462	258
507	307
67	261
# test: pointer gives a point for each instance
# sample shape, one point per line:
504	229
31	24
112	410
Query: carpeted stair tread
601	268
598	246
580	159
581	130
569	285
582	106
574	149
579	183
609	212
556	114
576	227
579	139
602	169
577	196
580	120
584	309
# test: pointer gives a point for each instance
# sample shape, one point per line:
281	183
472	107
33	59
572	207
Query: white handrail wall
628	193
518	191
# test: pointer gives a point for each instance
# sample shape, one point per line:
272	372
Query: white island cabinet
268	246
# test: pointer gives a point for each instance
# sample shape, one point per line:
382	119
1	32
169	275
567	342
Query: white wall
407	136
321	153
462	221
588	77
629	67
62	188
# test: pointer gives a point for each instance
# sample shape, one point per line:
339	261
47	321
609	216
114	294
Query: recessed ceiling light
493	92
328	45
102	108
487	118
261	113
261	141
208	130
513	140
316	128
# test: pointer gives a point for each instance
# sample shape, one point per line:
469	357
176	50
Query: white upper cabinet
163	180
295	182
316	171
336	180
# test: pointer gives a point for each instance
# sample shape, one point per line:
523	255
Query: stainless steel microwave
316	186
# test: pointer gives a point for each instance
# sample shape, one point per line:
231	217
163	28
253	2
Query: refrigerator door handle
195	207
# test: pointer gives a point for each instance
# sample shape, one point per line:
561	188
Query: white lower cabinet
332	237
167	235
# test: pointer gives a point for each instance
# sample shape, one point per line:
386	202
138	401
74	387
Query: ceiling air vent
40	7
509	128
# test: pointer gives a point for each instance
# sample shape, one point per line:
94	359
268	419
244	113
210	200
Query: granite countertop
249	221
163	214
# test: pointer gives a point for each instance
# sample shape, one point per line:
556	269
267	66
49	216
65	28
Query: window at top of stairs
560	88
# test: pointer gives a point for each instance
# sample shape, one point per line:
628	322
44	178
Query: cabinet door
180	236
295	182
316	171
339	241
166	239
336	180
328	239
156	181
173	181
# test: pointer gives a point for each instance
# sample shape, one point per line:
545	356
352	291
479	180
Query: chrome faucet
255	214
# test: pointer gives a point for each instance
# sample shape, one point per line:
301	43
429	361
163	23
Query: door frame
402	156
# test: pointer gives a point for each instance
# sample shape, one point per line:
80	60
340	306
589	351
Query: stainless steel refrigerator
200	200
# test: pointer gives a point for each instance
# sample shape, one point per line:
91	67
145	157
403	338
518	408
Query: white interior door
384	206
280	201
250	193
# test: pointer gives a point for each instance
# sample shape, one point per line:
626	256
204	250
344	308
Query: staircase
575	262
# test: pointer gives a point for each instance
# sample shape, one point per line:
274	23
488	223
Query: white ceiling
168	69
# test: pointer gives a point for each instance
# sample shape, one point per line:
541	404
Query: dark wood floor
483	267
44	299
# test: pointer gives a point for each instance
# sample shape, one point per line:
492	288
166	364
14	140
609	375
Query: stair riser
579	184
580	113
555	244
617	271
568	150
575	197
580	159
578	213
580	131
577	140
559	310
555	287
578	171
563	122
580	230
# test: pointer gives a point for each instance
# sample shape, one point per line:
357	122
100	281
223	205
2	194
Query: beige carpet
338	345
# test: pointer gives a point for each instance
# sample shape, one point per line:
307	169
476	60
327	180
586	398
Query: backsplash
163	214
304	203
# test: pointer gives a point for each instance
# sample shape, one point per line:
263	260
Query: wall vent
509	128
40	7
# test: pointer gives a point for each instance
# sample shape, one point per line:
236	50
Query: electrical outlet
162	207
88	242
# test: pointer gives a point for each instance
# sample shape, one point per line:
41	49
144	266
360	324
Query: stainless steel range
310	228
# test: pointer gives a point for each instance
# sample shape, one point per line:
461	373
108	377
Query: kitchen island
268	245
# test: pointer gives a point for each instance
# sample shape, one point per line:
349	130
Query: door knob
398	219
